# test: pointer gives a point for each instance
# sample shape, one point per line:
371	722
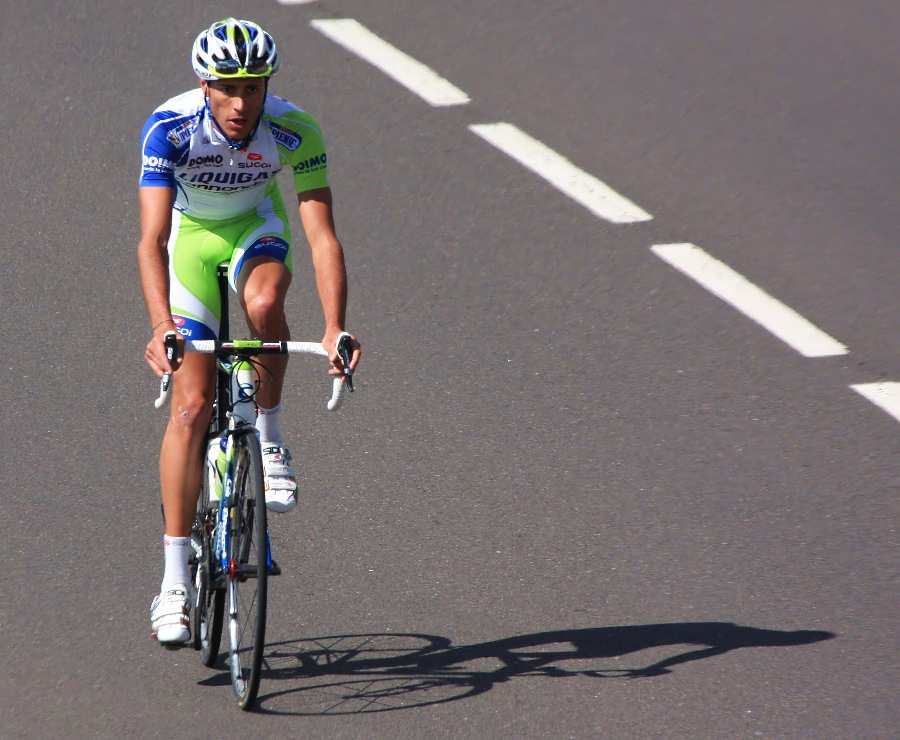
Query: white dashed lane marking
603	201
413	75
580	186
885	395
753	302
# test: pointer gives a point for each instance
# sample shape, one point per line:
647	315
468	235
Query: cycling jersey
183	149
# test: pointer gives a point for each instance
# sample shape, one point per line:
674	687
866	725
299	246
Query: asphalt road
575	494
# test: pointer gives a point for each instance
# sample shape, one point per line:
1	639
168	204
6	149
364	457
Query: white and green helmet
234	49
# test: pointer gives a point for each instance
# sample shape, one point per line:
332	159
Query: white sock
267	424
177	551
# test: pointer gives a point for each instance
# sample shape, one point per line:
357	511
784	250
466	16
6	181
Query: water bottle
215	468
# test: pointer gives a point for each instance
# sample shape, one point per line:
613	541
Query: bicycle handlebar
248	348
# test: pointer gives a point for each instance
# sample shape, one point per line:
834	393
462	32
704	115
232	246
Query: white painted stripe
720	279
582	187
297	2
885	395
413	75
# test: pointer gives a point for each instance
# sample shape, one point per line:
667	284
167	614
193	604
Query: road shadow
353	674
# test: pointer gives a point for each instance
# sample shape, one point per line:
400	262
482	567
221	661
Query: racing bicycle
232	554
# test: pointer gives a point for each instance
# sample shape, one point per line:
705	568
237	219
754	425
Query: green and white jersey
182	149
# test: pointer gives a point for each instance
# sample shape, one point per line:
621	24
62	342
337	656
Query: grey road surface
575	494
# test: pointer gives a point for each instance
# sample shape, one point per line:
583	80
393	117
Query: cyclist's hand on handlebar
156	353
351	352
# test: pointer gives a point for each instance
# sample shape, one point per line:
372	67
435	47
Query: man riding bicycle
208	194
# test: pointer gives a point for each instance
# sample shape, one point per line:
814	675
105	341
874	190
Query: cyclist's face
236	104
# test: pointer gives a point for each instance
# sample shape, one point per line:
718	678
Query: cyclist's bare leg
262	287
180	461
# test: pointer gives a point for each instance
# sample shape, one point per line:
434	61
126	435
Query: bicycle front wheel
247	571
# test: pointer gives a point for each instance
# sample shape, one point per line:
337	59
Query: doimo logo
159	163
312	164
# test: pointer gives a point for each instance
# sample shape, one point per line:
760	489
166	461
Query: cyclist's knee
190	412
262	287
265	308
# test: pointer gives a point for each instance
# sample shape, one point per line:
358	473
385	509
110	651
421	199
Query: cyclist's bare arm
317	218
156	221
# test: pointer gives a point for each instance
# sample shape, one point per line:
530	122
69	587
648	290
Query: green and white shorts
198	246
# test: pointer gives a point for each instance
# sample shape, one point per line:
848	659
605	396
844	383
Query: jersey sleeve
158	153
302	147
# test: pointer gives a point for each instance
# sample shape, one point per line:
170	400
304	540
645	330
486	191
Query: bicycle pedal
274	569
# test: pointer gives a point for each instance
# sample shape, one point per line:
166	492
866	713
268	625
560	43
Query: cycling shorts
197	247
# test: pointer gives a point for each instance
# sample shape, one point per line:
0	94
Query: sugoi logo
254	156
272	246
178	320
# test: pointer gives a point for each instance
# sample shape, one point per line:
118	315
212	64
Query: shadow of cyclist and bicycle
352	674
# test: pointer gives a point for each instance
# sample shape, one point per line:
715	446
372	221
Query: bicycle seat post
222	381
222	275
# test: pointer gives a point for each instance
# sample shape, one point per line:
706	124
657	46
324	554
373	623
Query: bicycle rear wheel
209	597
248	571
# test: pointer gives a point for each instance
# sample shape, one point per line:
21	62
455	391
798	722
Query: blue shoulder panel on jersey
164	143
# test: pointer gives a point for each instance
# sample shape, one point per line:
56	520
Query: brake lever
171	343
344	350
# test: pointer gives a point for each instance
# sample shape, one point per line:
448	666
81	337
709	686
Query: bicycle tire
209	599
248	572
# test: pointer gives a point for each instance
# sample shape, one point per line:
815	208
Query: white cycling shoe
281	484
170	616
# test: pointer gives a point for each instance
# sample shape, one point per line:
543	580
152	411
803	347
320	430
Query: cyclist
208	193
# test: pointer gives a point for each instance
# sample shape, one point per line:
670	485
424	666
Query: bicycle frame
230	425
